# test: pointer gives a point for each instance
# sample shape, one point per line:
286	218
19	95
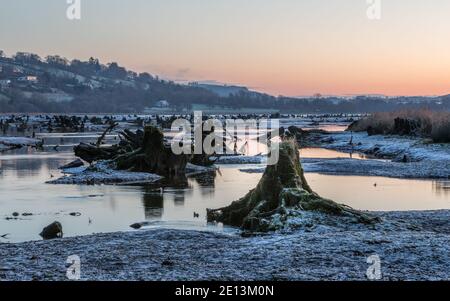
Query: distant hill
29	83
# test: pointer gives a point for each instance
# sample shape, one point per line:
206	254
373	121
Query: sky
282	47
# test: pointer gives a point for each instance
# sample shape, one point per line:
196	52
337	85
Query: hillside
29	83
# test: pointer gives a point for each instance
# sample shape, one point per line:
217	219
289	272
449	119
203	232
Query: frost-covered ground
392	147
242	160
410	245
102	173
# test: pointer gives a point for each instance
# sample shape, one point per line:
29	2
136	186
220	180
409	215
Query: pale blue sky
290	47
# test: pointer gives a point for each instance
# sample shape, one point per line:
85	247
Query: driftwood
74	164
282	187
90	153
129	142
108	129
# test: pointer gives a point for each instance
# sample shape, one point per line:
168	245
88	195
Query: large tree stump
282	187
154	156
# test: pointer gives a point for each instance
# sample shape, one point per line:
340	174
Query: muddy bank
411	246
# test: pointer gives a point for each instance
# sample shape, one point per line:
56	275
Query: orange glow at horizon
282	47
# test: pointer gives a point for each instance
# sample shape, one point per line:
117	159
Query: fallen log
74	164
91	153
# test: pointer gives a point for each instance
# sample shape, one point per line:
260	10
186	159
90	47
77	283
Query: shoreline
412	245
388	147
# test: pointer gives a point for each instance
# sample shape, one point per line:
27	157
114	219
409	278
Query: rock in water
136	226
283	187
52	231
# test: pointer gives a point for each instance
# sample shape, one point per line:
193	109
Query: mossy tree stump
154	156
282	187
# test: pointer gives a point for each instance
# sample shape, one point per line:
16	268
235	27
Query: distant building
162	104
28	78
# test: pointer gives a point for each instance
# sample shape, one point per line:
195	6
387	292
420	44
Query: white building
28	78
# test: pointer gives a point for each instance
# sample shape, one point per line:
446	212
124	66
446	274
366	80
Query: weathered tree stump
140	151
282	187
154	156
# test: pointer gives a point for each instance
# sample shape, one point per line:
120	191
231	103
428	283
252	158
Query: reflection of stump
153	156
282	186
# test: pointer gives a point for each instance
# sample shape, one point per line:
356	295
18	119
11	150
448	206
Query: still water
113	208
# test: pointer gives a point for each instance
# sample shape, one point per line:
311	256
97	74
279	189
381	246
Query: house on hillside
28	78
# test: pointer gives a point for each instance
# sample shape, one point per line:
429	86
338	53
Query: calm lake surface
114	208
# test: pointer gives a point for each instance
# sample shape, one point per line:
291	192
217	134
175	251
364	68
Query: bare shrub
424	123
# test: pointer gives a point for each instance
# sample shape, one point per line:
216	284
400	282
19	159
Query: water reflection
23	174
176	193
179	198
153	203
322	153
205	180
442	187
